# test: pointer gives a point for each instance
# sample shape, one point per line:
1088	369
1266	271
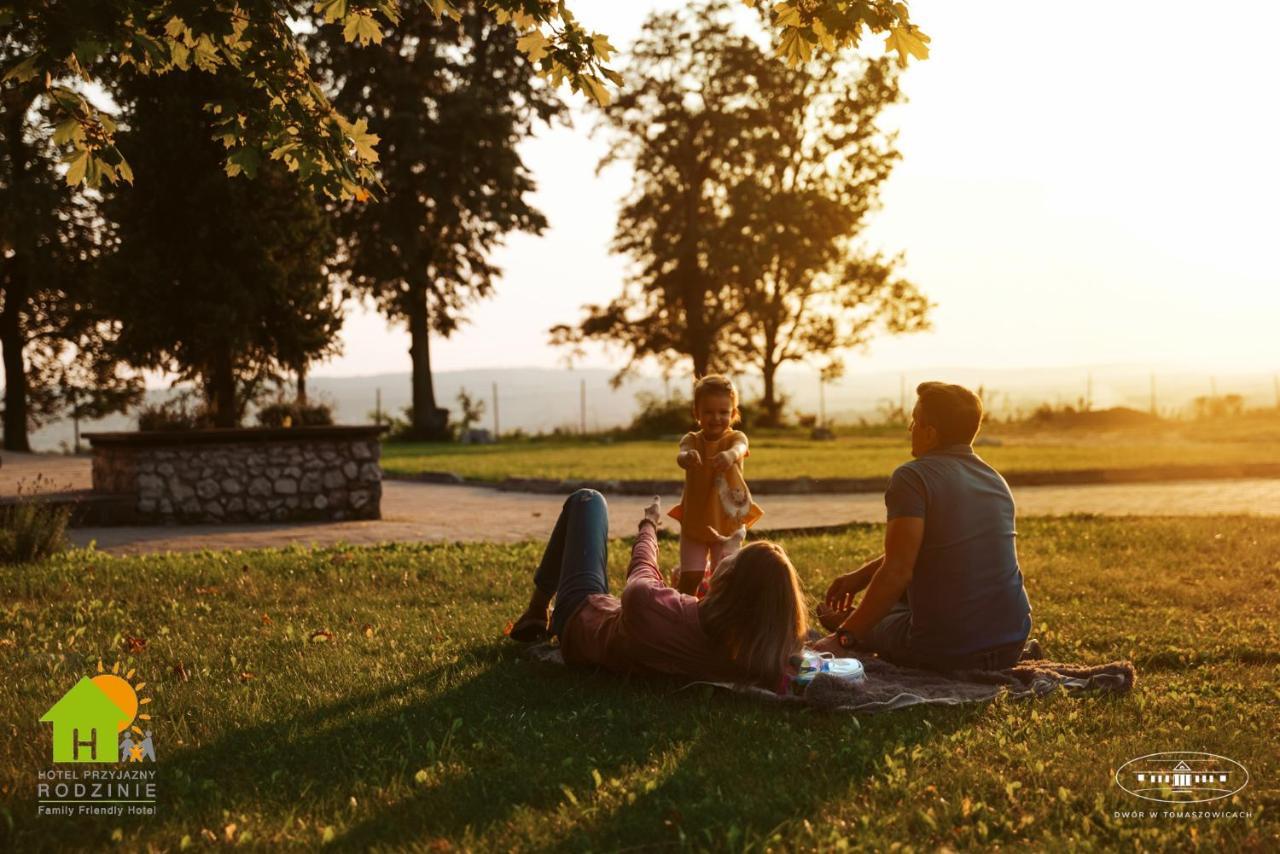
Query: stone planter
243	475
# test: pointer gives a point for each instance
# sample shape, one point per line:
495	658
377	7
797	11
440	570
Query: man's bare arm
902	540
841	592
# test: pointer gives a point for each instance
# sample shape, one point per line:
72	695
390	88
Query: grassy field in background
784	457
365	697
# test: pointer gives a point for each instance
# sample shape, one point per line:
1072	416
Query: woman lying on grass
745	630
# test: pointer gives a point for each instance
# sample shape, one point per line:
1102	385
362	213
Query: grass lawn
783	457
413	724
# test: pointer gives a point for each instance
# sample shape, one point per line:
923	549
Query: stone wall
251	475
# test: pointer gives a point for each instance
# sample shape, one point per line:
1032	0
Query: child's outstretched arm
688	457
732	454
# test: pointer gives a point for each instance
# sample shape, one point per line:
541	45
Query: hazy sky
1081	183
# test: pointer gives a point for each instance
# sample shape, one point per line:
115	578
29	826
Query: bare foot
528	627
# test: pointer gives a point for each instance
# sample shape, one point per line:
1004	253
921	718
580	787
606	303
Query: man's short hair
952	410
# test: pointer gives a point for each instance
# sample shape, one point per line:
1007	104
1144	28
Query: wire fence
585	401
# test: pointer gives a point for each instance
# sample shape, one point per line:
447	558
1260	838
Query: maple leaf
77	167
534	45
600	44
595	90
332	10
22	71
907	41
363	28
364	141
786	15
795	49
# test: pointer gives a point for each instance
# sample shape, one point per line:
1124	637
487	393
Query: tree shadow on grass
628	762
515	734
559	728
276	766
752	768
521	737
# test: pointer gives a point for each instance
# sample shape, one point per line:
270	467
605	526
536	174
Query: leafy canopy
751	187
222	281
284	115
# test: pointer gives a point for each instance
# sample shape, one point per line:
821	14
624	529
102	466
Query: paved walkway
43	473
422	512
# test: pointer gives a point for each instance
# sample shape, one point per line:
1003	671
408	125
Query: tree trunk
692	286
701	359
770	406
771	414
221	389
301	397
430	422
695	322
15	375
17	276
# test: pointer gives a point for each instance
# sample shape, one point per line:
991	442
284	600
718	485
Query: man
947	593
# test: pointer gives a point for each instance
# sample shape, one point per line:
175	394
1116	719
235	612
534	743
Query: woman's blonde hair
716	384
756	611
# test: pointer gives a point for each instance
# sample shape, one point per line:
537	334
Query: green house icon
85	724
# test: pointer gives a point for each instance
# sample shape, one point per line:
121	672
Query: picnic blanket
889	686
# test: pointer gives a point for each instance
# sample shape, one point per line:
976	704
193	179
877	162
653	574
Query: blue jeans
890	640
575	563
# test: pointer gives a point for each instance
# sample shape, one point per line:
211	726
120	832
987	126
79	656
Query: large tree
680	121
224	282
451	100
50	330
29	203
281	113
752	184
810	177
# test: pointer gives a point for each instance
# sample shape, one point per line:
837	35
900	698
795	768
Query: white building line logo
1182	777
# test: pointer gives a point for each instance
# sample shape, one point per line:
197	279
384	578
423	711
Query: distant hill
542	399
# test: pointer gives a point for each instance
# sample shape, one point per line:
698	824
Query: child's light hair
756	611
716	384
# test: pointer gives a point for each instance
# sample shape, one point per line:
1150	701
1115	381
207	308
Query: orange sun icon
123	694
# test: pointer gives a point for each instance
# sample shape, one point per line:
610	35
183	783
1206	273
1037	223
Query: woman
745	630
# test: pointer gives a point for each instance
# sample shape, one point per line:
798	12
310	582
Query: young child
716	501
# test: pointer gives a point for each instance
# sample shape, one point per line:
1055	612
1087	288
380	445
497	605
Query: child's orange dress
702	512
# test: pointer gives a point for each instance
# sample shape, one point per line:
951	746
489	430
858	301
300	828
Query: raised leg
693	564
574	565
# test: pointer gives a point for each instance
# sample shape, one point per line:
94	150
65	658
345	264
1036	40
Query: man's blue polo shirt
966	593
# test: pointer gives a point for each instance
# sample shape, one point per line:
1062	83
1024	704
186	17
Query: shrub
174	414
399	427
661	417
472	410
1067	417
298	414
32	528
756	417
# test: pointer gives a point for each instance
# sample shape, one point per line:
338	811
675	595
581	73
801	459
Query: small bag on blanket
809	664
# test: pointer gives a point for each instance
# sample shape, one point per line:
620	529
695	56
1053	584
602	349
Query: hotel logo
103	753
1182	777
